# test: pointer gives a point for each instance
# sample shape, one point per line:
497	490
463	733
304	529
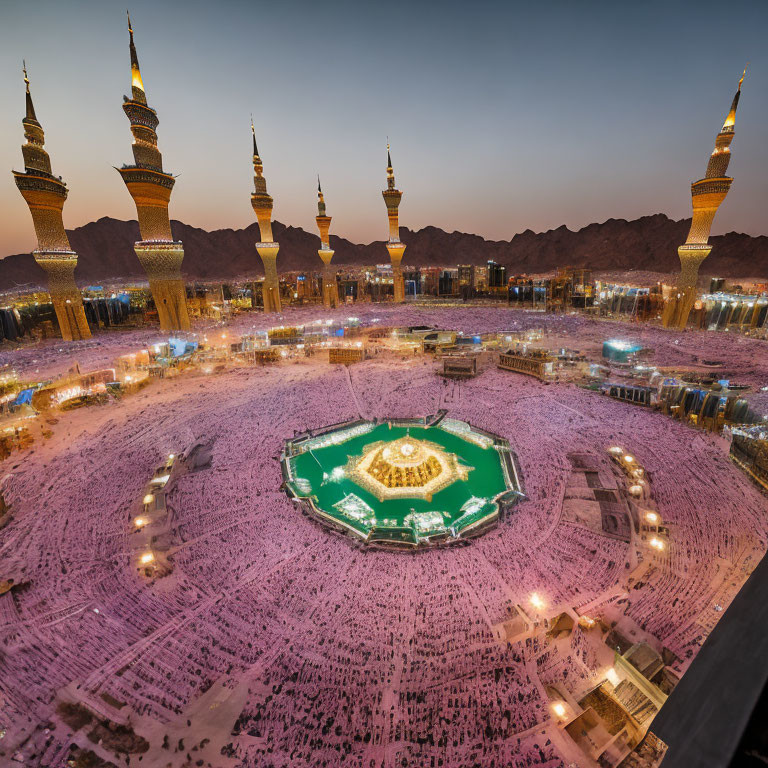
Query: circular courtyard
403	483
267	641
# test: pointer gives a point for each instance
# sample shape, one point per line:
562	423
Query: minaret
330	291
150	187
707	194
396	249
45	195
267	248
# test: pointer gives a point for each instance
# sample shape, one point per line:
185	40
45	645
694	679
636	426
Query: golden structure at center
406	467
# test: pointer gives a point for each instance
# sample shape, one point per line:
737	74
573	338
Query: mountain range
106	254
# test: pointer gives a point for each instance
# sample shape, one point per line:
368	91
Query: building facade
45	195
497	277
150	187
533	363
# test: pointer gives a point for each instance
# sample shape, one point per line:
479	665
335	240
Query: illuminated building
534	362
447	283
45	195
707	194
405	468
466	275
497	277
459	366
330	291
392	197
346	355
267	248
150	187
430	280
481	279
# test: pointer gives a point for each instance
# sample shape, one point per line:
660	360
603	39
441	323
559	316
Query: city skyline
511	135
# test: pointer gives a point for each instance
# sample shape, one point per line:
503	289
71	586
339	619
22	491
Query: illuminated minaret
267	248
707	194
396	249
45	195
150	187
330	291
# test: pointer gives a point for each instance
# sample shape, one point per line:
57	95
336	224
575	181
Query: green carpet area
318	474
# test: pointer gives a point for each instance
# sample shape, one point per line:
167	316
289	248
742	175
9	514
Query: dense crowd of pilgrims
349	656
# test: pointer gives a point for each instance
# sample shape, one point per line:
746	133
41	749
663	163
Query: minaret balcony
39	181
134	174
55	254
710	186
262	202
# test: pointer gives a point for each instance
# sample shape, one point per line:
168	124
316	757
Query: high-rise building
497	277
330	290
430	280
412	281
466	281
267	248
706	195
45	195
481	279
466	275
396	249
150	187
447	283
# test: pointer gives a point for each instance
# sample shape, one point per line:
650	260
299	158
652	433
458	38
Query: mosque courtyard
258	634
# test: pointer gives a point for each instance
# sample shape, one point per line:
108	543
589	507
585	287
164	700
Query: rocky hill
648	244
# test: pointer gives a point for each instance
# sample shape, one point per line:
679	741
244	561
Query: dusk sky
502	116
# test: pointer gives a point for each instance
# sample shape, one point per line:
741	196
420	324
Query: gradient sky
502	116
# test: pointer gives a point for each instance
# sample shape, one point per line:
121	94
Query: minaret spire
137	84
320	198
730	120
30	106
253	131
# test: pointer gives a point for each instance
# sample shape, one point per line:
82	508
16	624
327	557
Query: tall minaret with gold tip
330	291
150	187
396	249
707	194
45	195
267	248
